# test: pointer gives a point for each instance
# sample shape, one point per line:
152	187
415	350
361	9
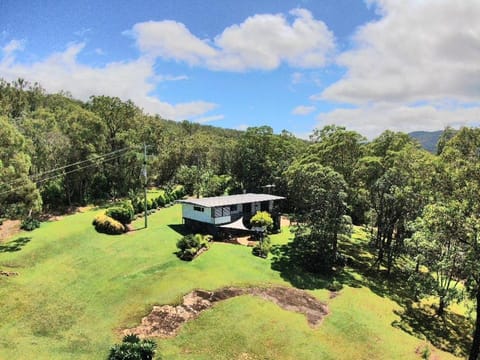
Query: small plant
106	224
30	224
133	348
262	249
189	245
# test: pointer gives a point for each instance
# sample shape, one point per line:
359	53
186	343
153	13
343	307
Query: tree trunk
441	307
475	349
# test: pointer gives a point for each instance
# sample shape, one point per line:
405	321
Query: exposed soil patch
164	321
8	273
9	228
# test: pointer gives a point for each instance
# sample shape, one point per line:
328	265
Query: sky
403	65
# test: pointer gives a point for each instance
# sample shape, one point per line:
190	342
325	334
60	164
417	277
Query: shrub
30	224
189	245
262	248
161	200
132	348
123	213
138	205
178	192
262	219
106	224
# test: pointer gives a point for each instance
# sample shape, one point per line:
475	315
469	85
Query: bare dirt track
164	321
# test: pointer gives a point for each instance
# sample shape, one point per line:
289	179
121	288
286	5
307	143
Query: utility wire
35	177
65	173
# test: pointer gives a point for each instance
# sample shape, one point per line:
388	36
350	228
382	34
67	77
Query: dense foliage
133	348
189	245
106	224
262	219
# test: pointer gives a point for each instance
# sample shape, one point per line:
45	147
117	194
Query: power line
64	173
36	177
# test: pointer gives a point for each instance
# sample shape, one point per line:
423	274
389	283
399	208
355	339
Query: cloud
134	80
261	42
171	40
303	110
372	120
415	68
417	51
208	119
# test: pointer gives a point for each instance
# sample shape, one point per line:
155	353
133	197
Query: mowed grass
77	289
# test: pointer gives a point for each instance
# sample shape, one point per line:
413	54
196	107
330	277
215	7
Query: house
212	214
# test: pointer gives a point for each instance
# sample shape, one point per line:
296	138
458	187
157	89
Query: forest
422	209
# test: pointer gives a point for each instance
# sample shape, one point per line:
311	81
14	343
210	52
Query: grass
77	288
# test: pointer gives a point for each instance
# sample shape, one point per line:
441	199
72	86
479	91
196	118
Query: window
198	208
233	207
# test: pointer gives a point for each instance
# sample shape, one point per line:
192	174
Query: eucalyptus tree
319	197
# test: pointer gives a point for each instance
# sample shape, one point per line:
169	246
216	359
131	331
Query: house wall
189	213
206	216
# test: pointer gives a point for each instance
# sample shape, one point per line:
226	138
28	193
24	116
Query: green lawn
76	288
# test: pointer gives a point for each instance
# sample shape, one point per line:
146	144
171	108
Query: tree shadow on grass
15	245
285	261
450	333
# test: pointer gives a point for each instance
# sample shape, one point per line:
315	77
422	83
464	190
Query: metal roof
230	200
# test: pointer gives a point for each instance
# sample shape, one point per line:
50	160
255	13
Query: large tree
319	197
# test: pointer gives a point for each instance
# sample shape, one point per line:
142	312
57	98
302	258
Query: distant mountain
428	139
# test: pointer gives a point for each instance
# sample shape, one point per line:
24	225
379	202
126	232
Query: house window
233	207
198	208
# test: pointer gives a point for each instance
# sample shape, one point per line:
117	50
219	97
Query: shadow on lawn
285	261
15	245
180	229
451	333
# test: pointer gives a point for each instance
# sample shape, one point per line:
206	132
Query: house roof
230	200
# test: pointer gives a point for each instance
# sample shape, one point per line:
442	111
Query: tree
19	195
319	195
440	239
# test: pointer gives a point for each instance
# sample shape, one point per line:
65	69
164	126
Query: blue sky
295	65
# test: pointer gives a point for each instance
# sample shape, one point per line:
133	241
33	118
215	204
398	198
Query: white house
210	213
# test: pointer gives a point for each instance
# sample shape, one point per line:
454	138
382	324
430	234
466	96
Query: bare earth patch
9	228
165	321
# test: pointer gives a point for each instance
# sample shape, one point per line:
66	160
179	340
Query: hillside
428	139
76	290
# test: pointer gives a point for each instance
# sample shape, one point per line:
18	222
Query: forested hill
428	139
58	151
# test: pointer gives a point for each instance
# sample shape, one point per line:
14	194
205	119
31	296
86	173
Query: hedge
106	224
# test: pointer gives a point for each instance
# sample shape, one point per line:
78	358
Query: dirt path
164	321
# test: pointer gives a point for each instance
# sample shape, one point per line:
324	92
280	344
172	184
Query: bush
262	219
178	192
123	213
106	224
262	248
132	348
189	245
138	205
30	224
161	200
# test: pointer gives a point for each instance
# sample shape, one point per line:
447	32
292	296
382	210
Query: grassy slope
77	287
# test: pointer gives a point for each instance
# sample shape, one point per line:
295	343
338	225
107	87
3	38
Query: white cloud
417	51
372	120
134	80
303	110
260	42
171	40
416	68
208	119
